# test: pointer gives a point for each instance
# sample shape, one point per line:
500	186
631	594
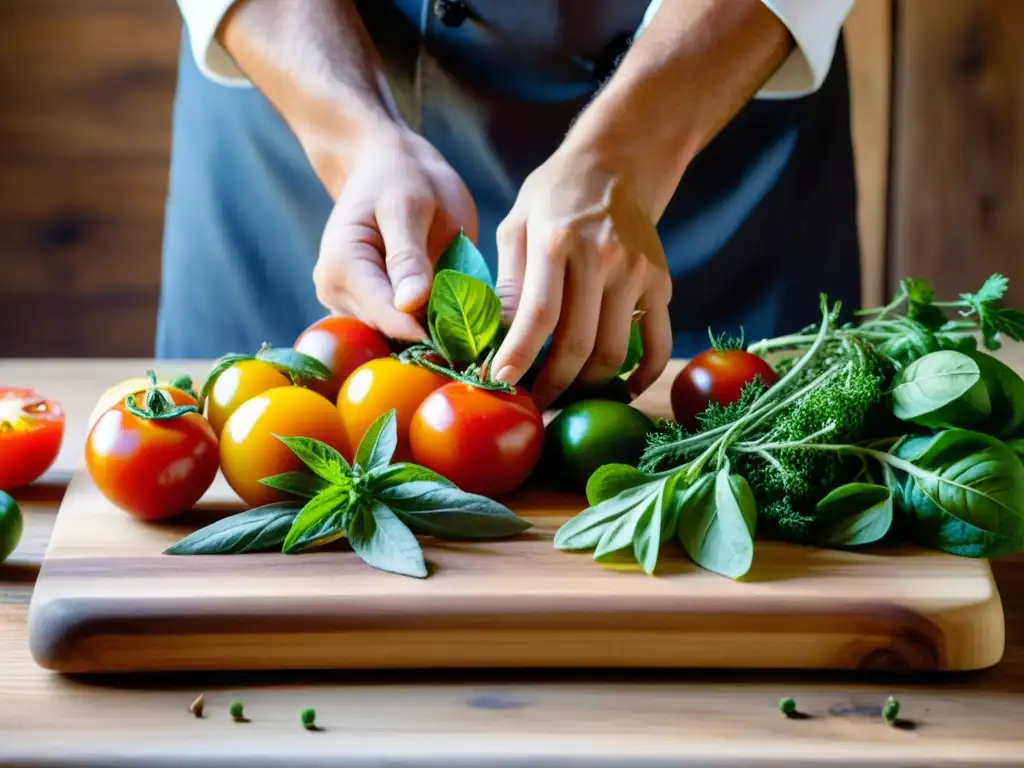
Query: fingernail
409	292
506	374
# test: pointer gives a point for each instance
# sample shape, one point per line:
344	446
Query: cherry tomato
31	432
250	450
342	344
152	468
376	387
238	384
715	376
485	442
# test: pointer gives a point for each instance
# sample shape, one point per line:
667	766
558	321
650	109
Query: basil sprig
378	506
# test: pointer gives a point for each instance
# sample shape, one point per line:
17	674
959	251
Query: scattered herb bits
891	710
237	711
309	719
787	706
197	706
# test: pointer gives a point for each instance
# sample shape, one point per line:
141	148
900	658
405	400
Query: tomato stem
159	406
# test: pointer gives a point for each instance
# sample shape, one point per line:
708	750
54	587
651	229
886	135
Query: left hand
577	255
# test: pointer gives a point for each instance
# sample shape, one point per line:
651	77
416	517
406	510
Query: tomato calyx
475	375
157	404
723	342
295	365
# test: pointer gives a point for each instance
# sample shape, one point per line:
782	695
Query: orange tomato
238	384
376	387
342	344
250	451
152	468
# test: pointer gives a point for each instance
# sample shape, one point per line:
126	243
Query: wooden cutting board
107	600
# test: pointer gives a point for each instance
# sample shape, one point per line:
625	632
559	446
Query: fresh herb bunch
464	321
378	506
868	426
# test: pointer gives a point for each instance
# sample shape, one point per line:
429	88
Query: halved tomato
31	432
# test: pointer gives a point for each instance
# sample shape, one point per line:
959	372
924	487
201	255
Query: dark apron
763	221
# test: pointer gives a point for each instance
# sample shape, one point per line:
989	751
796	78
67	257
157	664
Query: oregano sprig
378	506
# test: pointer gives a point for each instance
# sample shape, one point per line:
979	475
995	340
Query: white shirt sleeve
815	26
202	17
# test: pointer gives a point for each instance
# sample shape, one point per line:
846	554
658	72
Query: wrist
335	143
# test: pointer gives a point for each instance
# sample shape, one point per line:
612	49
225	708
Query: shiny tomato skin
250	450
31	433
342	344
485	442
378	386
152	469
237	384
715	376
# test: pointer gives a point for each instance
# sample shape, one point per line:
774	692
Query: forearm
315	62
684	79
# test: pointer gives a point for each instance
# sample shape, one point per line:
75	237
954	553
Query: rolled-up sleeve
202	17
815	27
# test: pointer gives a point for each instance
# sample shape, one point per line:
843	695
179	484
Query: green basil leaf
302	484
855	514
1017	446
401	473
441	510
716	527
382	541
322	519
378	443
941	389
610	480
584	531
965	494
463	315
293	363
635	350
260	529
462	255
321	458
1005	393
219	366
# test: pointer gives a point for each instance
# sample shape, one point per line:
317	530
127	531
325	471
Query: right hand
400	206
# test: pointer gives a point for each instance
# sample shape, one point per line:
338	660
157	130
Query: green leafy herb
717	522
378	506
295	365
463	316
261	529
635	350
941	389
1005	394
462	256
855	514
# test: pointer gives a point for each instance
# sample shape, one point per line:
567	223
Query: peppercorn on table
444	718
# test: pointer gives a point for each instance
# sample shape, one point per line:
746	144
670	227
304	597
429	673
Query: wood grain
517	718
107	600
958	178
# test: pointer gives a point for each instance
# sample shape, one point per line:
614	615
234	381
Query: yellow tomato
250	449
238	384
374	388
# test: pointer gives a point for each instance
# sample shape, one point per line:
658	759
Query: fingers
574	337
511	266
538	311
612	342
656	331
404	222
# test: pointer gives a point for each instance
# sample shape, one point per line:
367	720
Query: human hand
400	206
578	253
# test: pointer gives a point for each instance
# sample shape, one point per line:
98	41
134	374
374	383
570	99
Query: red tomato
152	468
375	388
342	344
31	431
250	450
485	442
715	376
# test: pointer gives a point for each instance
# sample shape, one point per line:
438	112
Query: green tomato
11	525
589	434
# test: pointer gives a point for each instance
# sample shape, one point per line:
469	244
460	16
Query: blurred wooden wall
85	102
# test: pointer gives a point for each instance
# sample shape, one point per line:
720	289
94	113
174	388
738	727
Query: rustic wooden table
517	718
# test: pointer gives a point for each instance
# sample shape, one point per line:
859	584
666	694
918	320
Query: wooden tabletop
567	718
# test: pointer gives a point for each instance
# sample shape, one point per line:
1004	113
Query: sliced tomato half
31	431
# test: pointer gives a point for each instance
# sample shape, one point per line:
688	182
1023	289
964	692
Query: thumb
511	238
404	224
